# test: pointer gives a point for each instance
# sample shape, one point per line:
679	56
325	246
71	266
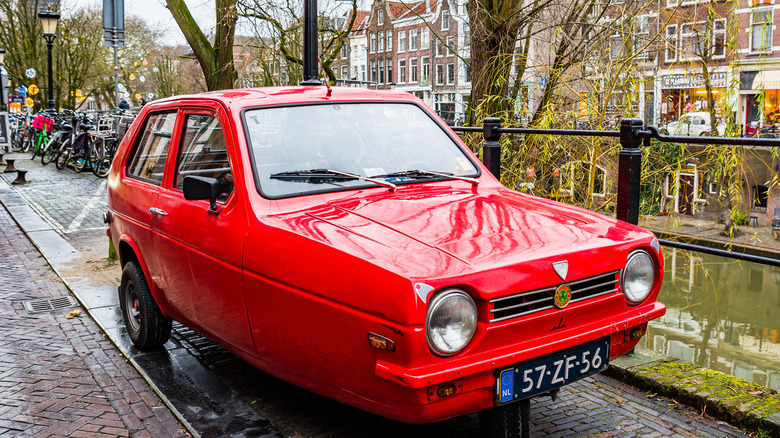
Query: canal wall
737	401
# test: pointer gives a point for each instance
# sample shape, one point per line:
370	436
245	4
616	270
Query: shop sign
717	80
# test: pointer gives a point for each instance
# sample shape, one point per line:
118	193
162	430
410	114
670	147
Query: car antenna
327	82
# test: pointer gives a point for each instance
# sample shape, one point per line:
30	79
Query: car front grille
523	303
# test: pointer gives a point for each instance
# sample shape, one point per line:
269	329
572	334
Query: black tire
101	162
147	327
18	143
50	152
27	141
63	154
506	421
80	162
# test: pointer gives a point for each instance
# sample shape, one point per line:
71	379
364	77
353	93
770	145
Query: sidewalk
60	376
756	240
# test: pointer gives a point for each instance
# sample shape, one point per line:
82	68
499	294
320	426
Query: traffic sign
30	73
33	90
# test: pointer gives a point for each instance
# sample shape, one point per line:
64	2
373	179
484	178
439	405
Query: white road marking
95	199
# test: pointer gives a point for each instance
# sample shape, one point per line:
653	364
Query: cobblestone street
64	377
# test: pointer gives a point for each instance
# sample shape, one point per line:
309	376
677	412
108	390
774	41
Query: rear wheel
147	326
80	160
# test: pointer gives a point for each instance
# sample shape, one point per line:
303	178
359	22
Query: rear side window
203	152
148	161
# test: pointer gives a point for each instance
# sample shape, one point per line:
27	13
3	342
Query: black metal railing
632	134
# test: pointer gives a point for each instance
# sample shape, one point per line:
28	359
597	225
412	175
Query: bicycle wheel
18	143
63	154
50	151
102	161
81	159
28	141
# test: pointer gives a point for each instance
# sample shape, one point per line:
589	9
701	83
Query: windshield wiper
323	175
416	173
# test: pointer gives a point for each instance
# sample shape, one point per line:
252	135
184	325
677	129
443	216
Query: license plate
542	375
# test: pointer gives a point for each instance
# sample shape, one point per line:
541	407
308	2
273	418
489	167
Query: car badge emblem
423	290
561	268
562	296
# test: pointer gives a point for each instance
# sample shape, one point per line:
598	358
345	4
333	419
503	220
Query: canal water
722	314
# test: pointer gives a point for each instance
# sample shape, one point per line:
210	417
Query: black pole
310	43
629	170
491	152
49	45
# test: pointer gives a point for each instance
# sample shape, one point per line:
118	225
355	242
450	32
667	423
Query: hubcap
131	304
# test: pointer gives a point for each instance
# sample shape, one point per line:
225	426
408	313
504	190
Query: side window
203	153
148	161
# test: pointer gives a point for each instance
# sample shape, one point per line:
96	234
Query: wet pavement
217	394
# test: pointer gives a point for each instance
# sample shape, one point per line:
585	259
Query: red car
348	242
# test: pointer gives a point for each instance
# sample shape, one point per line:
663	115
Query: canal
722	314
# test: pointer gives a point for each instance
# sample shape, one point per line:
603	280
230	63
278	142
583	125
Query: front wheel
147	326
63	154
507	421
50	152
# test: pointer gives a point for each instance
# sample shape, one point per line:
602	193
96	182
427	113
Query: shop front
683	93
761	91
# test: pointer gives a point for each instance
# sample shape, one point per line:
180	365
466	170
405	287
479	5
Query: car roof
250	97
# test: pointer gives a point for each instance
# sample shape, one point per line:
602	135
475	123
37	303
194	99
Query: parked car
696	124
347	241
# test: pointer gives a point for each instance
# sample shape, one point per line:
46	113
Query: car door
141	184
200	251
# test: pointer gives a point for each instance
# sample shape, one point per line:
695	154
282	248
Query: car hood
424	232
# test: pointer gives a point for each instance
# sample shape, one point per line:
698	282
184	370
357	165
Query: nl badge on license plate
550	372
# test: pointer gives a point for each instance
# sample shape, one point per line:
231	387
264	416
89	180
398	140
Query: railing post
491	151
629	170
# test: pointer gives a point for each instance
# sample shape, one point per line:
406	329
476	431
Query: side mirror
201	187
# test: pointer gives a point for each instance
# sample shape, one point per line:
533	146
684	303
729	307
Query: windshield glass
365	139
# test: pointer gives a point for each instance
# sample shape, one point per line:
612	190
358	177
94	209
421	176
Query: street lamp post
49	20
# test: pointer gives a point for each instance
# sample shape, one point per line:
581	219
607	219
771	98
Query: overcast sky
155	13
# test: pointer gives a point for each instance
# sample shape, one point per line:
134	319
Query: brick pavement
59	376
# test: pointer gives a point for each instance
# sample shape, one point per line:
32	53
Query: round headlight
451	322
638	277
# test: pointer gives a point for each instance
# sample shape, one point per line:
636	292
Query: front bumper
473	375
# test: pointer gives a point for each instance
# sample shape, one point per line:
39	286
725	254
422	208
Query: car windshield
296	149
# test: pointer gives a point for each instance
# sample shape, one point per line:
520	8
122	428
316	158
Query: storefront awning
769	80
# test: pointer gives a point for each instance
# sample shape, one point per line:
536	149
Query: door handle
157	211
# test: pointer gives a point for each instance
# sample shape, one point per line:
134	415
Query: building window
694	40
413	70
389	40
381	71
380	17
426	69
380	42
425	39
760	197
401	71
761	31
670	54
413	39
467	70
439	48
373	71
439	74
389	64
445	19
450	74
450	46
371	42
642	36
401	41
363	72
344	51
344	72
